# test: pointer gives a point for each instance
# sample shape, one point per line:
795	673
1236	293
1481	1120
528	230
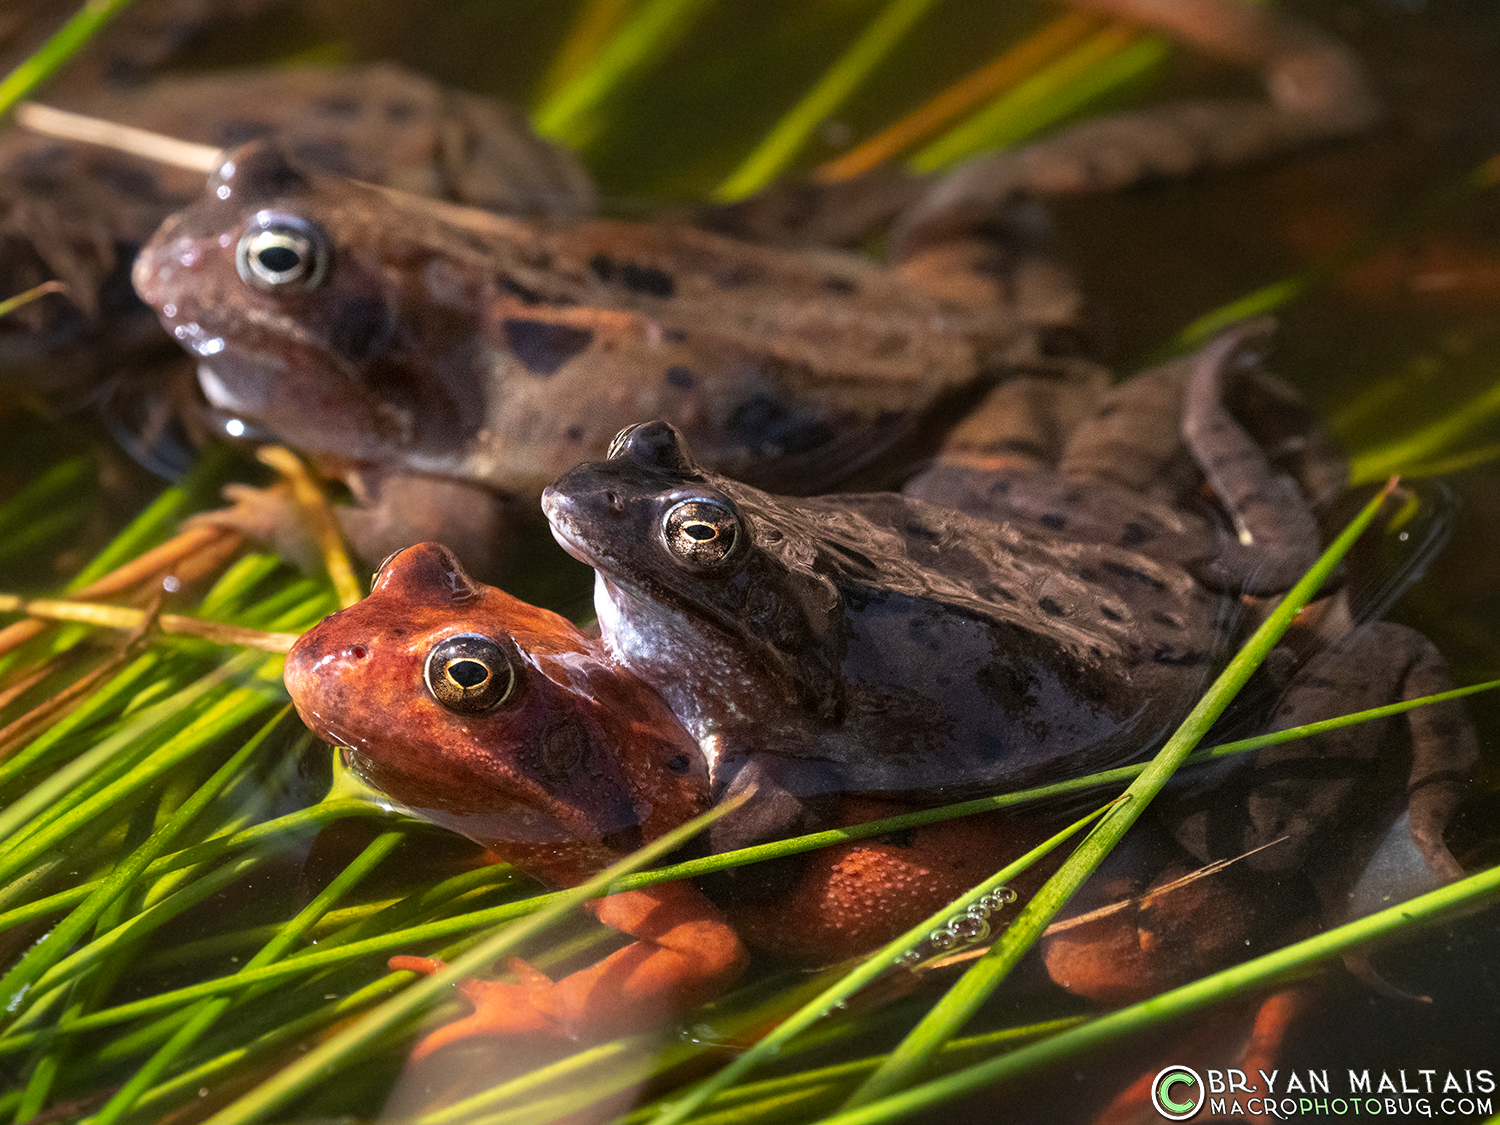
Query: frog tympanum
447	363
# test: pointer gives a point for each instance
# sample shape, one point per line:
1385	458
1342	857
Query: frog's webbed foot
500	1008
1152	919
685	953
1316	87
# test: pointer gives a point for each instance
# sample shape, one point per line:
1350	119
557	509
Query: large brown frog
446	364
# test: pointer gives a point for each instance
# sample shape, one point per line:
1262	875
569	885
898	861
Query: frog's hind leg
1330	799
1276	528
1316	89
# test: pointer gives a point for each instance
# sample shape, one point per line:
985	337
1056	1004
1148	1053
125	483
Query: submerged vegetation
196	902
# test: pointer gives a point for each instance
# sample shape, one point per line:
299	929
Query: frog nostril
359	652
616	504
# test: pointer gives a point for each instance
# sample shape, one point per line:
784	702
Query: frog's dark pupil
468	673
279	259
700	531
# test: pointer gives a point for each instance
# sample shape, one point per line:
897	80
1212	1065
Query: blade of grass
1001	73
103	699
52	819
99	764
36	292
63	44
51	949
960	1002
889	957
318	514
744	1102
593	27
1427	442
650	32
328	1056
47	491
209	1011
126	617
1101	63
786	138
1139	1019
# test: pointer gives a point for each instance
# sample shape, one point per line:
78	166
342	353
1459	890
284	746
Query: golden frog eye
279	251
617	444
469	674
701	532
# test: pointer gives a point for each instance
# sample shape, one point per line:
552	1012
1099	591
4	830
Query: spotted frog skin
447	364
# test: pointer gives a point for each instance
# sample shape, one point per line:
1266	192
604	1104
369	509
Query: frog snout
320	665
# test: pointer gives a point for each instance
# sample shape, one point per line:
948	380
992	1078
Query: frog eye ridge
701	532
281	251
469	674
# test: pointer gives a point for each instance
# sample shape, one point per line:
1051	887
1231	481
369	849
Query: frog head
293	289
493	718
695	568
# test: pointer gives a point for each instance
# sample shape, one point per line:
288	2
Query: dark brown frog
447	363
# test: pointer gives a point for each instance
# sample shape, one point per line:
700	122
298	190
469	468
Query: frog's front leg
685	953
1316	89
486	530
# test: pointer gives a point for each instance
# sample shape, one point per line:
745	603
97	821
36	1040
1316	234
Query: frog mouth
558	509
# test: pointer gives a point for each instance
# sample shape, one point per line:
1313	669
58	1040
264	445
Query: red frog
518	731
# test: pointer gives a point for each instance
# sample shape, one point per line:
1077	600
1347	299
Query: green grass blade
63	44
1426	443
1103	62
1138	1019
955	1008
873	966
209	1011
654	27
51	949
47	491
64	815
786	138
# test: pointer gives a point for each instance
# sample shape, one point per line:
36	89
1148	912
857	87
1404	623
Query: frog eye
469	674
701	532
617	443
280	251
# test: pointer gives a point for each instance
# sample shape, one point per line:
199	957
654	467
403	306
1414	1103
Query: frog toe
501	1009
